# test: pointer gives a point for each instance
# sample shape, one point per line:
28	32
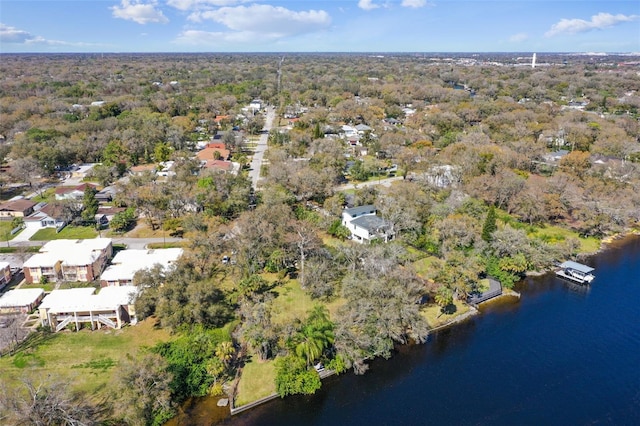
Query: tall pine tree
489	224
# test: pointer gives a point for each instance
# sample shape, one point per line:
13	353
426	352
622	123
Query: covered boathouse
575	271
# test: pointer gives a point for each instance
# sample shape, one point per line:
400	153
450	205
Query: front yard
67	233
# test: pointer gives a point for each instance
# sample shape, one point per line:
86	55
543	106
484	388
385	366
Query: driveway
30	229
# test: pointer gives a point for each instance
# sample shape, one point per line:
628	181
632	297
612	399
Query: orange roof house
210	153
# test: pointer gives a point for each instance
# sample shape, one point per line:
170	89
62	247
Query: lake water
563	354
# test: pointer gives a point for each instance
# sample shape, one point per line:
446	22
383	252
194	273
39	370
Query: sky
319	26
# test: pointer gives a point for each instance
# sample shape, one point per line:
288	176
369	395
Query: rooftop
127	262
69	252
357	211
372	223
576	266
84	299
20	297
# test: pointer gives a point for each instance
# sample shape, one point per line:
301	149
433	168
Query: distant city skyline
319	26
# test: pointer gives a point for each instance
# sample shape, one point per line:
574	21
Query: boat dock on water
576	272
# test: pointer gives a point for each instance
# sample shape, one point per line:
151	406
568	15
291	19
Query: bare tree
47	403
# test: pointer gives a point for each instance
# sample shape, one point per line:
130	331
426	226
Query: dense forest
497	169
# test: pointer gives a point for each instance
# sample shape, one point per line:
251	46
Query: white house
256	105
126	263
365	225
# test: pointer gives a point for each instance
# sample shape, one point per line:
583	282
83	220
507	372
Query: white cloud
198	4
517	38
368	4
268	21
597	22
142	13
210	38
10	34
415	4
13	35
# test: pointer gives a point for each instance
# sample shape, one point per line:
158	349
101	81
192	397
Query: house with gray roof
365	225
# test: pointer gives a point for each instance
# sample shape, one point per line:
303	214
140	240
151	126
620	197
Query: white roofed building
112	307
126	263
69	260
22	300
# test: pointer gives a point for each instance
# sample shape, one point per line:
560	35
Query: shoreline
473	311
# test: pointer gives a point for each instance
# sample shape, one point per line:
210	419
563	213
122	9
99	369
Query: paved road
384	182
132	243
256	160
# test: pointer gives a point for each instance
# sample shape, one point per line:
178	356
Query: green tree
122	221
162	152
315	336
90	204
338	230
293	377
115	153
490	225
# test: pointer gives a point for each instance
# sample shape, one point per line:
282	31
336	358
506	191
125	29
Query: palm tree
315	336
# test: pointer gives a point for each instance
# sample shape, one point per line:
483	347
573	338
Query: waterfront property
111	307
495	290
575	271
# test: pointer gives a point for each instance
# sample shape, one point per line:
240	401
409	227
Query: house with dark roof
365	225
16	208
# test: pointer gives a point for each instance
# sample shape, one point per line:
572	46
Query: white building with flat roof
69	260
20	300
111	307
126	263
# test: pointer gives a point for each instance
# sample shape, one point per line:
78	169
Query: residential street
256	161
131	243
384	182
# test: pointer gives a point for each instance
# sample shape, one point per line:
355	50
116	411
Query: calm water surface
562	354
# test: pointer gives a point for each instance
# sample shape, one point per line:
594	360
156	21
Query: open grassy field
293	302
423	265
86	358
67	233
435	317
555	234
257	381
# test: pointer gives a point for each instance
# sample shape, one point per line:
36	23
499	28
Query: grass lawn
87	358
483	285
423	265
436	318
5	230
68	232
257	381
293	302
555	234
47	196
46	287
142	230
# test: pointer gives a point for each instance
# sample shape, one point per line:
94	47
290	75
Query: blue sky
319	26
